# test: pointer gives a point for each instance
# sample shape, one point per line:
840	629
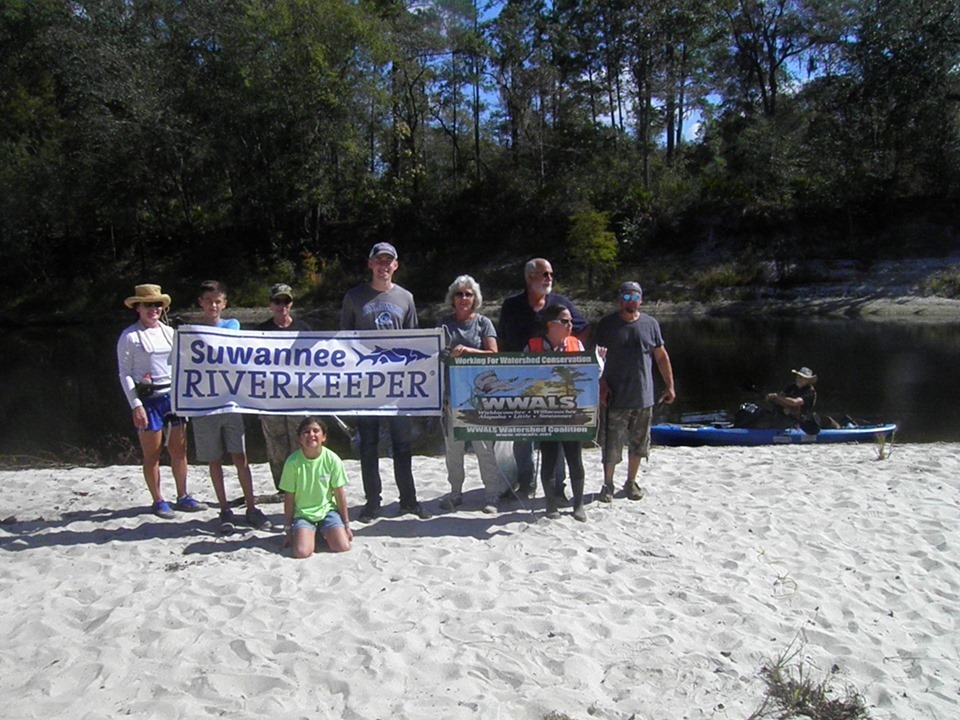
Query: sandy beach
659	609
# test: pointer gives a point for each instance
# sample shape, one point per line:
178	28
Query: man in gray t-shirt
382	305
632	343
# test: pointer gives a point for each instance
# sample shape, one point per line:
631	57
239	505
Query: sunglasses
463	294
281	301
563	322
630	296
152	305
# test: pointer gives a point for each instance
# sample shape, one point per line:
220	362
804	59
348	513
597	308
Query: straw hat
146	294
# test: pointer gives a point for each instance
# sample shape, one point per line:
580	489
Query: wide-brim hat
806	373
147	294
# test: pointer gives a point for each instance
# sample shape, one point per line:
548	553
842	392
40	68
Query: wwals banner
545	396
359	372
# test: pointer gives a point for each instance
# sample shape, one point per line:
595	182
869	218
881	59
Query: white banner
357	372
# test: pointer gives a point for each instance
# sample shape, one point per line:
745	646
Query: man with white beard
520	321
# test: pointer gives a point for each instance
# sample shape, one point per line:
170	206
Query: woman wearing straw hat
143	357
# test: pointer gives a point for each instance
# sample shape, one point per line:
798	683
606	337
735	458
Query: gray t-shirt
470	333
628	371
365	308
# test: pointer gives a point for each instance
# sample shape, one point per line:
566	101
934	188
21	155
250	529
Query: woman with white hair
143	359
468	333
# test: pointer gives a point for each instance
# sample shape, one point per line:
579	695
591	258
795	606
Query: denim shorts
159	413
331	522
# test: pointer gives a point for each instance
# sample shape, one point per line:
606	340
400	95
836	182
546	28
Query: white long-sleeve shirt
143	356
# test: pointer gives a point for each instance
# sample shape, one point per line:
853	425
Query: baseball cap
383	248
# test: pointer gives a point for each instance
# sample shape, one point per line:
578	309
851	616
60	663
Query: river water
59	392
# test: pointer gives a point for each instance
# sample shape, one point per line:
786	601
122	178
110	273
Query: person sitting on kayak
798	398
792	407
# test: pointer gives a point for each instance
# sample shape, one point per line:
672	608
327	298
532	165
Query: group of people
311	476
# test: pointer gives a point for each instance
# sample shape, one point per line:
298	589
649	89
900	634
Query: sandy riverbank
658	609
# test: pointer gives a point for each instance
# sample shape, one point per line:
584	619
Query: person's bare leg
151	442
303	543
337	539
245	476
177	447
216	477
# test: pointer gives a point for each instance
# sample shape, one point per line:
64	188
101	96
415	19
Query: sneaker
188	504
162	509
489	509
451	502
633	491
256	518
606	494
228	522
369	513
579	514
419	510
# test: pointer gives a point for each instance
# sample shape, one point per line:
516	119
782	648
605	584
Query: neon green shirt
312	482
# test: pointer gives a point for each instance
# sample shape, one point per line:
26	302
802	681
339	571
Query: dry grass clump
884	446
793	694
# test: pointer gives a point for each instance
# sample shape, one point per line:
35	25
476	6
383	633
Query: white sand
659	609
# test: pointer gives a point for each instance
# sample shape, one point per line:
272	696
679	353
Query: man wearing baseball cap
382	305
633	343
280	431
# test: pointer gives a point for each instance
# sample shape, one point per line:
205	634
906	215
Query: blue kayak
724	433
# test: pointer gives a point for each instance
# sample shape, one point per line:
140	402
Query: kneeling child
314	498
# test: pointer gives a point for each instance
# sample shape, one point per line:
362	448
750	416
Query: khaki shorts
215	435
630	427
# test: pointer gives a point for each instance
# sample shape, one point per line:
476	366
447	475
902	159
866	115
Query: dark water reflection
873	371
59	388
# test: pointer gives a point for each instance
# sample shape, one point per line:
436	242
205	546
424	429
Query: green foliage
943	283
168	139
592	245
713	281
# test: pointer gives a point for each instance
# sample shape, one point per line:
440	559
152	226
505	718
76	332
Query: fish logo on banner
382	356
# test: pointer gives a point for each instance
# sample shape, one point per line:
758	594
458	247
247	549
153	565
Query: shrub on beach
792	693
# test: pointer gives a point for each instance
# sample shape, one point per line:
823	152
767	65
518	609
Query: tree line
168	140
